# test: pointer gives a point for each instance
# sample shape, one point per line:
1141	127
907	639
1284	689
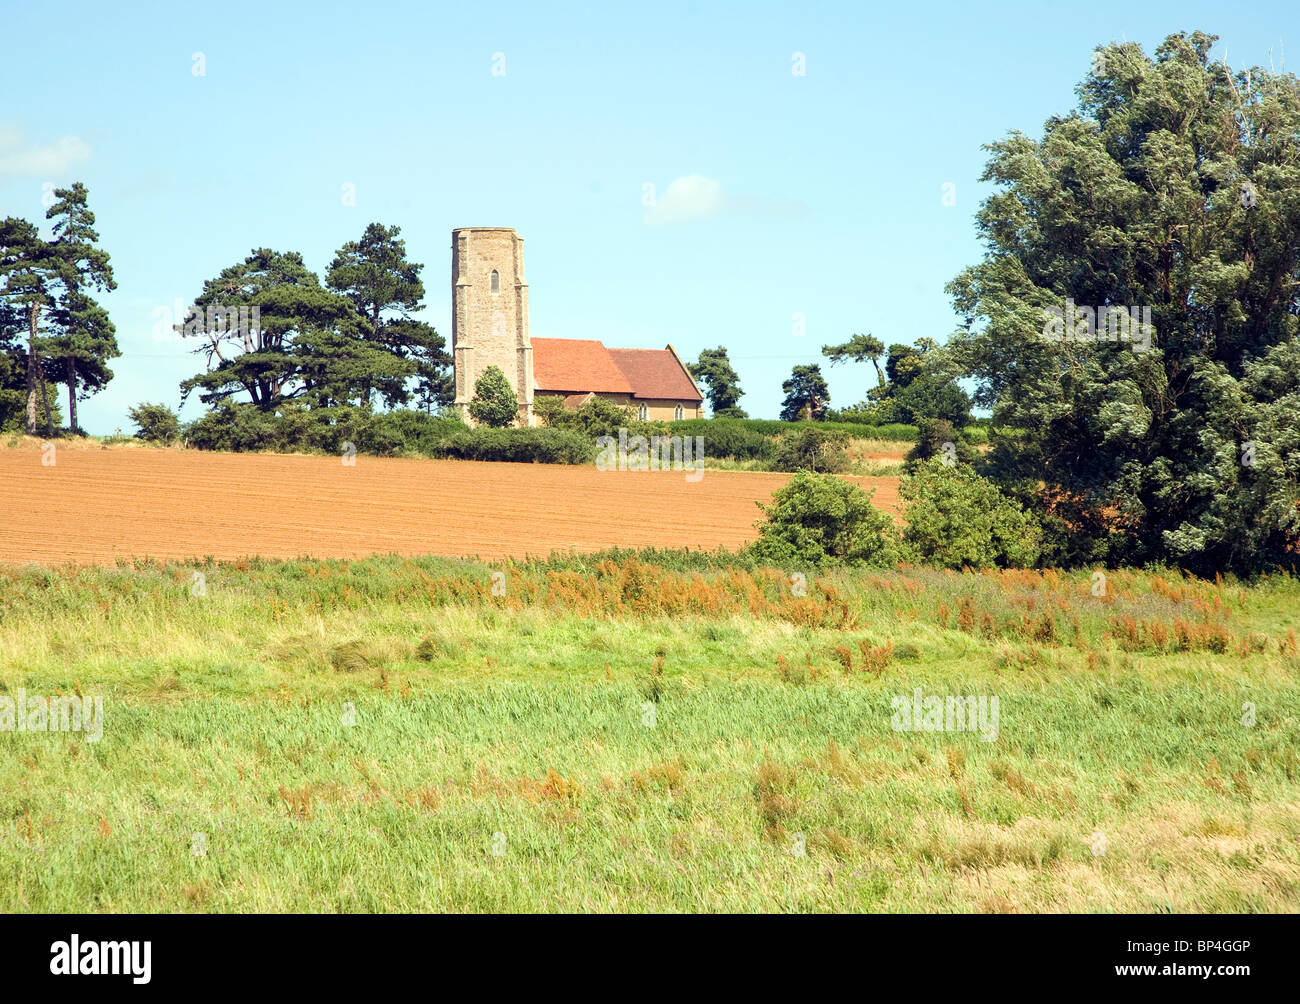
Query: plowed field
93	505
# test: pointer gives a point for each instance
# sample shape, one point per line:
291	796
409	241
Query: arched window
643	411
496	282
678	413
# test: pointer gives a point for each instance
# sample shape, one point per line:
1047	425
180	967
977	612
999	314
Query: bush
237	427
731	439
495	404
775	427
955	519
599	417
543	446
550	410
819	519
155	423
408	431
937	438
812	449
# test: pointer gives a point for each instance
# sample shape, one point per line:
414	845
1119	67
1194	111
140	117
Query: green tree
805	391
269	329
1174	187
494	403
82	337
78	354
550	410
957	519
721	380
385	289
28	276
930	395
155	423
858	349
938	438
905	364
820	519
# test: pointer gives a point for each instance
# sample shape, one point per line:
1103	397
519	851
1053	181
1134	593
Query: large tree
859	349
77	353
27	277
385	289
805	392
266	325
82	338
722	382
1175	187
47	283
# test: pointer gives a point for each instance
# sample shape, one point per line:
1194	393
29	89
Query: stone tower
489	316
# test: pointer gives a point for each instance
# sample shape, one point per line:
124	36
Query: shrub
495	404
408	431
595	418
237	427
819	519
775	427
544	446
938	438
155	423
550	410
955	518
732	439
812	449
599	417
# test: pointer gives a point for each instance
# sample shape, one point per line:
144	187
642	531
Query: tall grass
661	731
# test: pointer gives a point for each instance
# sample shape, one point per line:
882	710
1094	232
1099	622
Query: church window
643	411
678	413
496	282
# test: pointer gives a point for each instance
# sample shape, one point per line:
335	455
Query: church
489	327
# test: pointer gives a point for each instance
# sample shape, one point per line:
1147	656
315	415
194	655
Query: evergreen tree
805	392
722	382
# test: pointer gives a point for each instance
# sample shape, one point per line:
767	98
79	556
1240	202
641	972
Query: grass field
661	733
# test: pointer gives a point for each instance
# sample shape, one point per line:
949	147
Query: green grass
623	751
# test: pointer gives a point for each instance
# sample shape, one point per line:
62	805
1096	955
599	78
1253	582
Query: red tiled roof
579	366
656	373
576	365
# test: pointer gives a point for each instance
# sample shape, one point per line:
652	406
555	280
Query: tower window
678	413
496	282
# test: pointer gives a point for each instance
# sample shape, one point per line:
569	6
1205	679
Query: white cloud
50	161
695	197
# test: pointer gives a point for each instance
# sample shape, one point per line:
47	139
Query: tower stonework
489	319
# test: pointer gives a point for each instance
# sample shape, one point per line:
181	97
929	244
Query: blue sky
775	194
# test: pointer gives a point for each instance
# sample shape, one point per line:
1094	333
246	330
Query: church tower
489	317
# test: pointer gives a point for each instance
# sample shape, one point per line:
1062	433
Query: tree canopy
269	328
806	393
1171	192
722	382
